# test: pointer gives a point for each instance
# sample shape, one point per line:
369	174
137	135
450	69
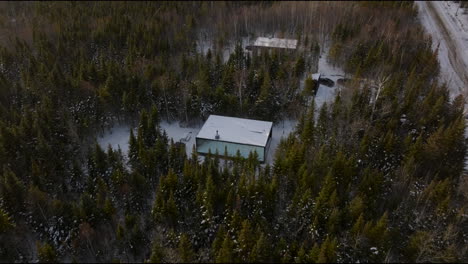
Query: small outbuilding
278	43
231	134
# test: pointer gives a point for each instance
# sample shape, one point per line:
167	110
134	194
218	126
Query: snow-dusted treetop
236	130
275	43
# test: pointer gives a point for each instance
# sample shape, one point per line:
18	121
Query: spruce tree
185	249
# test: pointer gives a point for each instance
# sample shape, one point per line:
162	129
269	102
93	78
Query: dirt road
449	36
454	50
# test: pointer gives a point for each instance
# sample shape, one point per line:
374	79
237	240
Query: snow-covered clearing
325	93
448	26
176	132
118	136
281	129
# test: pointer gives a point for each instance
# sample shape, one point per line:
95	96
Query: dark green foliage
6	223
46	253
226	252
185	250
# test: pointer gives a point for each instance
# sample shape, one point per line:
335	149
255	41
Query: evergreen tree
12	190
46	253
226	253
246	240
260	252
185	249
327	251
6	223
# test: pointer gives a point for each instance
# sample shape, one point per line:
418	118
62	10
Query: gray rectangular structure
220	133
279	43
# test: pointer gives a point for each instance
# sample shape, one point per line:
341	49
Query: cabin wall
204	146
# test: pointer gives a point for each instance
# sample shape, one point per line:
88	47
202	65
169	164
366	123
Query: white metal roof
276	43
315	76
236	130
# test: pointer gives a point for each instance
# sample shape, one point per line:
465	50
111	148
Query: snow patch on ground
176	132
325	68
281	129
116	137
325	93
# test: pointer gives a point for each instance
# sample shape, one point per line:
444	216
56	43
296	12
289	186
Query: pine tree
12	190
218	241
314	253
307	134
420	244
6	222
299	67
358	226
46	253
185	249
171	210
310	86
370	187
301	255
158	206
378	233
246	240
326	197
356	207
226	253
327	251
260	252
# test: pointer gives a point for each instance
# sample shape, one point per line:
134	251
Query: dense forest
377	175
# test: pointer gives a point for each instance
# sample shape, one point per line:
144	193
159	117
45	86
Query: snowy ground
281	129
118	136
448	26
325	93
176	132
